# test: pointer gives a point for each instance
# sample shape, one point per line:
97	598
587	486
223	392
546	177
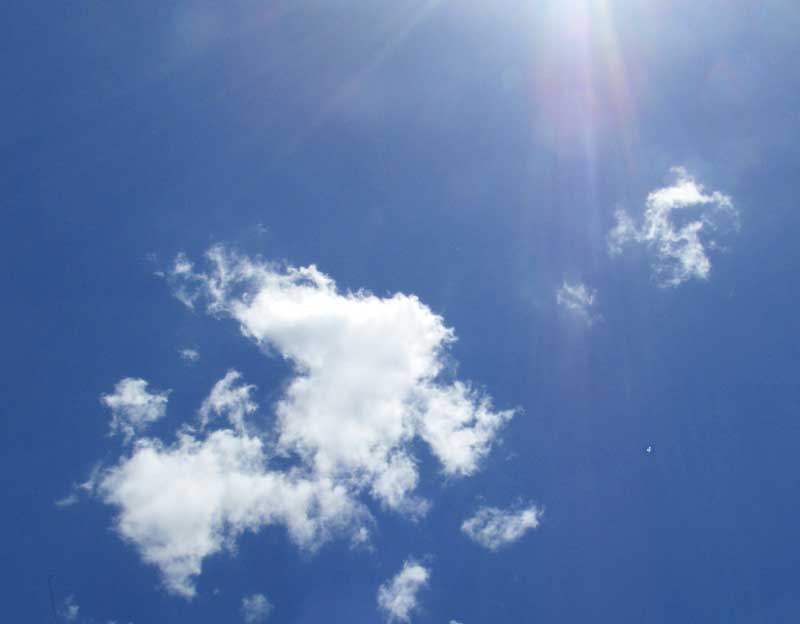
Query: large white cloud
493	528
183	502
680	225
367	373
398	596
133	408
368	379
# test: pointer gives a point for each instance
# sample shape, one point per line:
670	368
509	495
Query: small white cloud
69	609
255	608
67	501
454	622
493	528
133	408
398	596
229	398
182	278
190	356
680	226
578	299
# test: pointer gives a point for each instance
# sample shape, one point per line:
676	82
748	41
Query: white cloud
367	381
398	596
493	528
183	502
182	268
680	224
69	609
229	398
579	299
255	608
190	356
133	408
367	374
68	501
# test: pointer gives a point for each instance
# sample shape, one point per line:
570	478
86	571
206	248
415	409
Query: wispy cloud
578	299
255	608
680	225
67	501
229	398
69	609
398	596
493	528
190	356
133	408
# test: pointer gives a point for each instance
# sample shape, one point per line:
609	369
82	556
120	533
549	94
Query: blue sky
543	369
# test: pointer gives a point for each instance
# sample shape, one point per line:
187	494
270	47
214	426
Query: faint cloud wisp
255	608
398	596
190	356
578	299
69	609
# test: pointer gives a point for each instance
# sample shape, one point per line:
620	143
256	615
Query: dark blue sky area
473	155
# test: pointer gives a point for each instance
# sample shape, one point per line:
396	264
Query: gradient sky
597	197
